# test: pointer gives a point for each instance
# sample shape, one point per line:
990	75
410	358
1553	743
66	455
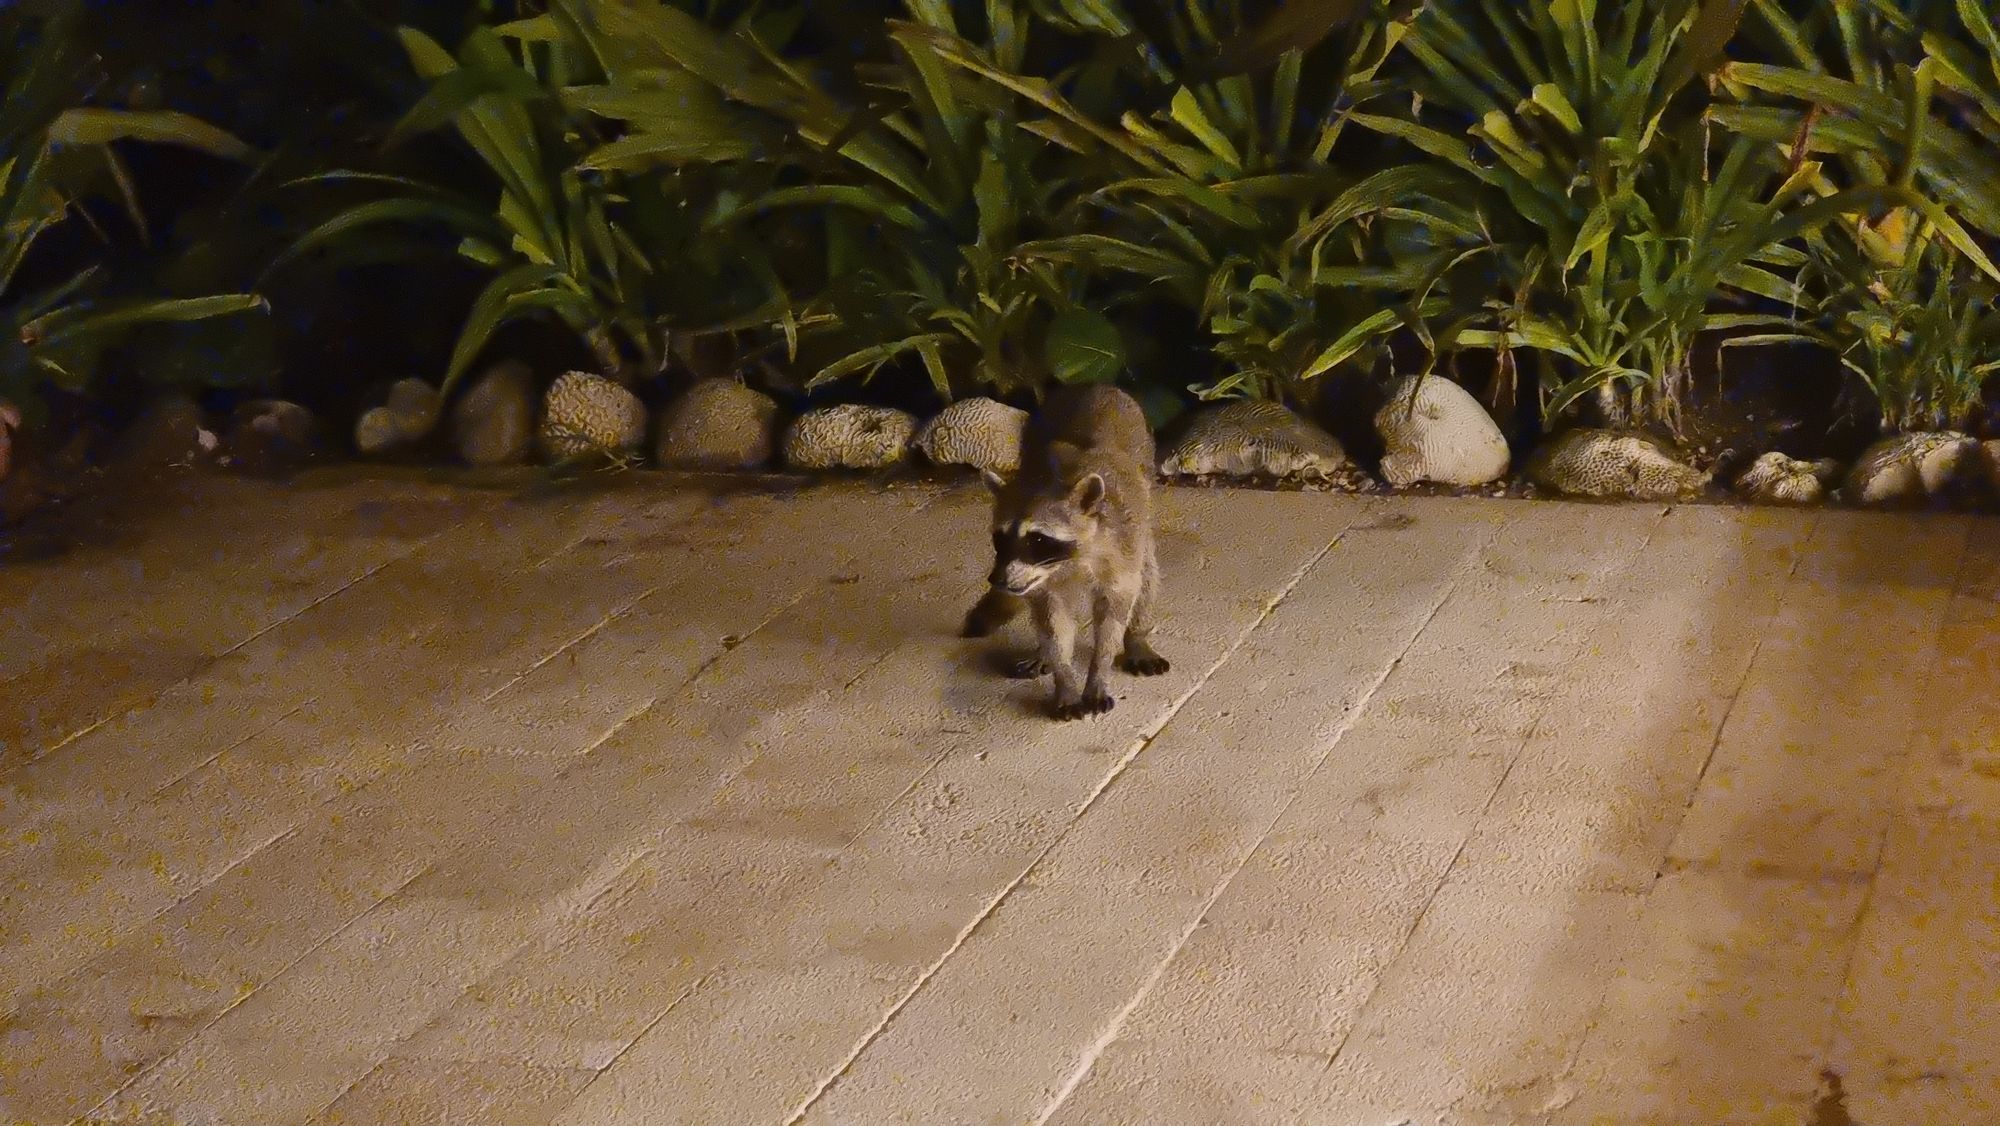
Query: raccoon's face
1035	541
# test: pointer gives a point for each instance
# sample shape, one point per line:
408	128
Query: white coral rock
1776	478
1254	438
718	424
1613	464
407	417
849	436
588	414
1443	435
1908	467
982	433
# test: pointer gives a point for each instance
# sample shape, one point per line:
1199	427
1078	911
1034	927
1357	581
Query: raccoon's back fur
1093	428
1073	541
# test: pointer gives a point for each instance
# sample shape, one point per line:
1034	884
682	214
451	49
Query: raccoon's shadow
1027	696
988	666
1005	663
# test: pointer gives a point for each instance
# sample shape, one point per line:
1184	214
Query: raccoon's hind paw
1026	668
1092	704
1140	660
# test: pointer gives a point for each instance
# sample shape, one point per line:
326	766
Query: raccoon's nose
999	575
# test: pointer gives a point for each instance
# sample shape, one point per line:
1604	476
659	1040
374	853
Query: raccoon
1073	544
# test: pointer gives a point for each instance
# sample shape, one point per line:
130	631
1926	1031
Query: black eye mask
1034	548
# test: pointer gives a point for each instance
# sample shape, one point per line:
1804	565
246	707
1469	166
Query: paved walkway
373	801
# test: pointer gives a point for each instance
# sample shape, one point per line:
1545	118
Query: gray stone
1989	462
173	430
1908	467
493	421
407	418
718	424
269	434
417	402
377	431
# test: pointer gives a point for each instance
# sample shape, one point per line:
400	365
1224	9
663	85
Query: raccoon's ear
1088	494
994	482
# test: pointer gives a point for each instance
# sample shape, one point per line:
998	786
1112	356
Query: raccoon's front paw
1140	660
993	610
982	621
1028	668
1093	703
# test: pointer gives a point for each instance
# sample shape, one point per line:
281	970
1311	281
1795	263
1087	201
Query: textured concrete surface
371	800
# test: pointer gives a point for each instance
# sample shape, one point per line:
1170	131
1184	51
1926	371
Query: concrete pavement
374	799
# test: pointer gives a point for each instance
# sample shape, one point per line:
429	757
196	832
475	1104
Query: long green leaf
823	195
1106	252
75	322
94	126
459	217
1351	342
1187	111
872	358
454	92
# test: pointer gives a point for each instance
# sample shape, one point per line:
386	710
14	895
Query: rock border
1971	485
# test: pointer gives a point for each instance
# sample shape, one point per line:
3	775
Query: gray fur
1085	481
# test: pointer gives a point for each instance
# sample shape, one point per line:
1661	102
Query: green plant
1901	293
1921	333
1587	168
1861	79
620	260
56	152
920	191
1223	198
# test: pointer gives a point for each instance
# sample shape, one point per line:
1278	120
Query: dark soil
1797	401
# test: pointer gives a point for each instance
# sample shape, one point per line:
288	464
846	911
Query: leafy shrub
57	155
618	260
984	196
1895	286
920	190
1587	173
1222	198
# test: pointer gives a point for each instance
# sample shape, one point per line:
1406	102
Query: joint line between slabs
1864	914
993	905
1333	1057
1340	729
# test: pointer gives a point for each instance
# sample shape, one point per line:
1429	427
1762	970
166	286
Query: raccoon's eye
1044	546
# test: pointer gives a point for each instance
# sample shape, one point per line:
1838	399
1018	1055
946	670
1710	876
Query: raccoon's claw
1028	668
1095	703
1143	663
